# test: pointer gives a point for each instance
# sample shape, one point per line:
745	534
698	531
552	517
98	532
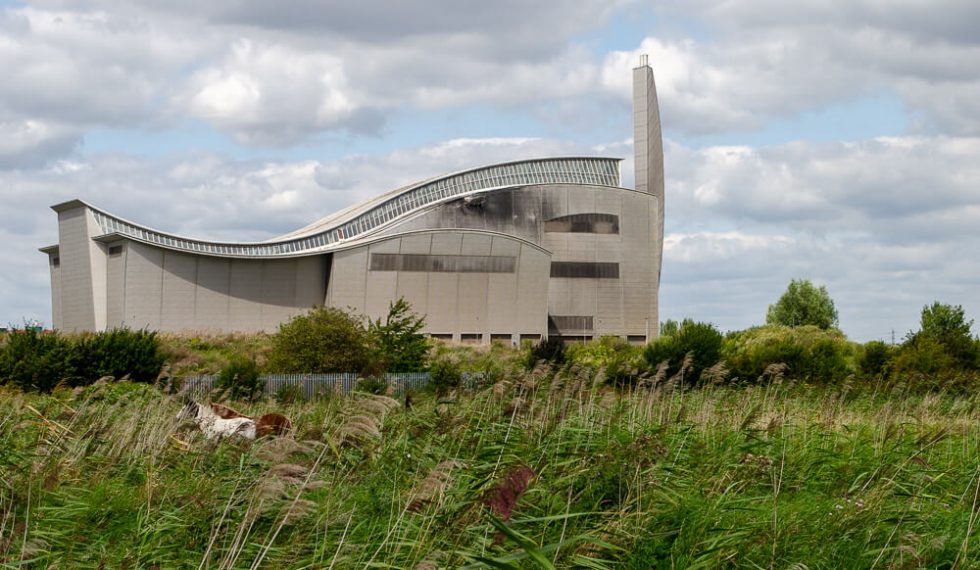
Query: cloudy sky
837	141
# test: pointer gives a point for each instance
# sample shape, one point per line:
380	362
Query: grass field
538	470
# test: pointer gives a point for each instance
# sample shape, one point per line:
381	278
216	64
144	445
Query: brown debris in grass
503	497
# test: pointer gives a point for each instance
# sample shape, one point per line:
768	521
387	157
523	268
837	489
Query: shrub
701	340
445	376
240	380
398	344
118	353
321	341
599	352
622	361
874	358
289	394
33	360
809	352
922	354
372	385
551	349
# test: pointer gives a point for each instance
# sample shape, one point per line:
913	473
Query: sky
835	141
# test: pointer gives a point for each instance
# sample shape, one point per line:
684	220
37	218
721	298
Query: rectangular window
443	263
442	336
585	270
564	323
56	261
115	250
471	338
592	223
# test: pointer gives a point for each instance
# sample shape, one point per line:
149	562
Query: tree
321	341
803	304
669	327
398	344
947	325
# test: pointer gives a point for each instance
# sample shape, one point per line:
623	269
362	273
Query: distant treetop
803	304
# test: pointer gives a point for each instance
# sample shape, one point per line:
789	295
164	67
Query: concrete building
512	251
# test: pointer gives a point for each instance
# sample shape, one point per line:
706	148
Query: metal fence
319	385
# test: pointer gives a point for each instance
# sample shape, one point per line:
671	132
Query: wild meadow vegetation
781	446
543	468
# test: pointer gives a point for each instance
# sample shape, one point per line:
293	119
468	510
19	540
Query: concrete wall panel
77	304
56	318
442	304
144	286
179	291
311	281
447	243
475	244
116	289
348	278
212	303
381	286
244	303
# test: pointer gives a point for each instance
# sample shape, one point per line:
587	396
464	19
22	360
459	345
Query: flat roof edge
69	205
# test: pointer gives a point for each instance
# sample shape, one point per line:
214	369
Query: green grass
784	476
208	353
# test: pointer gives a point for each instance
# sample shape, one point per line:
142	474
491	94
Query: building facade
511	251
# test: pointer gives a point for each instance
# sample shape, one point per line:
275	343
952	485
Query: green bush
701	340
622	361
240	380
874	358
810	353
600	352
372	385
322	341
118	353
551	349
445	376
398	344
922	354
33	360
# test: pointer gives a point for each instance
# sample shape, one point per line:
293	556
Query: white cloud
272	75
29	143
888	224
760	60
269	93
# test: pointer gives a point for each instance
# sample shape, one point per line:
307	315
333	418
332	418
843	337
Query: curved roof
370	216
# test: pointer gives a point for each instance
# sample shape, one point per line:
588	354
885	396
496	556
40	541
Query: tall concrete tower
649	165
